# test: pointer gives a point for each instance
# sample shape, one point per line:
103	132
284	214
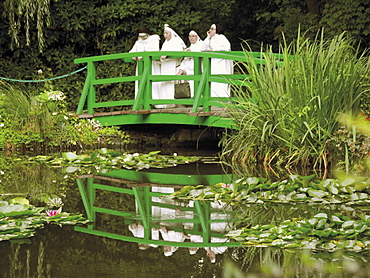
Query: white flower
65	117
2	124
55	95
39	71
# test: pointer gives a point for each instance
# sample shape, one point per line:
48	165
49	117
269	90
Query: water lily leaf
361	228
13	208
69	156
348	181
312	221
252	180
20	200
320	224
333	189
316	193
234	233
70	169
292	245
321	215
336	219
347	224
323	233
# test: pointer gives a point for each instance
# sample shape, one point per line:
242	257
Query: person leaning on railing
172	42
187	65
146	40
216	41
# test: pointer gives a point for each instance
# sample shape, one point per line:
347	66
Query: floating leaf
347	224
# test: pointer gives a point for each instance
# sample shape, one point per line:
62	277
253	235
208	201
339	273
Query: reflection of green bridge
127	182
140	110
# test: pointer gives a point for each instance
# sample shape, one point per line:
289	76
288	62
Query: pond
136	231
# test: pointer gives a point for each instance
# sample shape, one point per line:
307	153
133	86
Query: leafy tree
65	30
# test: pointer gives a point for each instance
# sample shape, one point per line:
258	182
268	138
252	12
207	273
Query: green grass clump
290	109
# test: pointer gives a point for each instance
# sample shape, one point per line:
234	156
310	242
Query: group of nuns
148	41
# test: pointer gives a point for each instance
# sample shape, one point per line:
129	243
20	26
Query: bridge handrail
202	78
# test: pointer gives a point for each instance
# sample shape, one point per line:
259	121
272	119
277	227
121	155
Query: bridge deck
215	111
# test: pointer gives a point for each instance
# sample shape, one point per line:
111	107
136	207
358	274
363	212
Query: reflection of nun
215	41
170	235
187	65
137	230
147	41
173	42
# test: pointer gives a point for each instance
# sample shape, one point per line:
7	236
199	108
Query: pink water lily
52	212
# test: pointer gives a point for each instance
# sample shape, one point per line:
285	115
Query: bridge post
91	96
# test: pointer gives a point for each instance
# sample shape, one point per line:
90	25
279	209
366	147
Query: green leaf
69	156
348	224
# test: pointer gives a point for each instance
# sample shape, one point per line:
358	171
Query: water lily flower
52	212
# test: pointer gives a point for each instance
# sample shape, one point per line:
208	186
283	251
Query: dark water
135	233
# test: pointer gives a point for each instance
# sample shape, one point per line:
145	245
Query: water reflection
108	248
155	220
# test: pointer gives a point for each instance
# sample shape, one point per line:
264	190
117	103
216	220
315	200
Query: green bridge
140	186
201	109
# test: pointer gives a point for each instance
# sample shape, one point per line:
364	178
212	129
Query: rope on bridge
43	80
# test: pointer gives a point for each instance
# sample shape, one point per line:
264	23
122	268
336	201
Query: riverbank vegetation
40	121
290	114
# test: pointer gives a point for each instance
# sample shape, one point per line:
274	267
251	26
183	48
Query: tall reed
291	106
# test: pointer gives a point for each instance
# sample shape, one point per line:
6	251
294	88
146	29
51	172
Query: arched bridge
201	109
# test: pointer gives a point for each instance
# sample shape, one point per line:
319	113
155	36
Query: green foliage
350	16
296	189
42	118
24	13
20	220
292	105
111	158
73	29
334	17
321	232
352	147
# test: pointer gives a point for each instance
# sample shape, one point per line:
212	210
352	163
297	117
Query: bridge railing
144	101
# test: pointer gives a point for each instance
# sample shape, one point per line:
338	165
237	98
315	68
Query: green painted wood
202	78
166	118
157	242
161	178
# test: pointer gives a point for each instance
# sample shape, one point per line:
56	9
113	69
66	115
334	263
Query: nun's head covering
192	32
193	251
141	31
174	36
197	45
168	253
171	251
219	28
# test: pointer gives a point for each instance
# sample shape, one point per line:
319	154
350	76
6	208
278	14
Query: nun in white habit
218	42
187	64
172	42
147	41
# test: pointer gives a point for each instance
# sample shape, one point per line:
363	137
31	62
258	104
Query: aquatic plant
294	190
117	159
19	219
321	232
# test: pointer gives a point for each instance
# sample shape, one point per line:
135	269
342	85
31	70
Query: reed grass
291	108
